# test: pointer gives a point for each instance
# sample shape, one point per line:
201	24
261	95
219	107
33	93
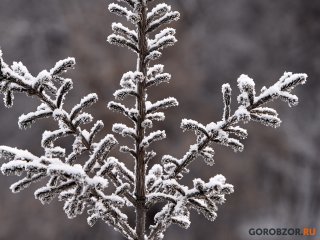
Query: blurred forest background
276	178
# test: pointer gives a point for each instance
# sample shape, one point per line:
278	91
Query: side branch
250	109
19	79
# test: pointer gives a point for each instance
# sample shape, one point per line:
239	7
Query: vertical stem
140	190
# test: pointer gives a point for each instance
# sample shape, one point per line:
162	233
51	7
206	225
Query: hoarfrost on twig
84	186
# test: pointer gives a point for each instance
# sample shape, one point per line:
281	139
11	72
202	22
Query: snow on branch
158	116
152	56
118	107
117	172
158	11
282	89
203	197
100	152
250	109
132	35
85	102
83	186
122	93
162	104
124	130
122	42
162	40
26	120
123	11
68	181
48	137
167	18
130	79
62	66
226	92
152	137
25	161
131	3
155	70
94	131
192	125
113	163
66	86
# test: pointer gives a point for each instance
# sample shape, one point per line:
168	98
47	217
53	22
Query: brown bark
140	190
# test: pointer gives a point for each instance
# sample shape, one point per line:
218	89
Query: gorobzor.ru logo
282	231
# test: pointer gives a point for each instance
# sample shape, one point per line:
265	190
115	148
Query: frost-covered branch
203	197
51	89
83	186
135	84
75	187
162	185
250	108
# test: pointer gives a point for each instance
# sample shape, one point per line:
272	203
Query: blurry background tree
278	187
